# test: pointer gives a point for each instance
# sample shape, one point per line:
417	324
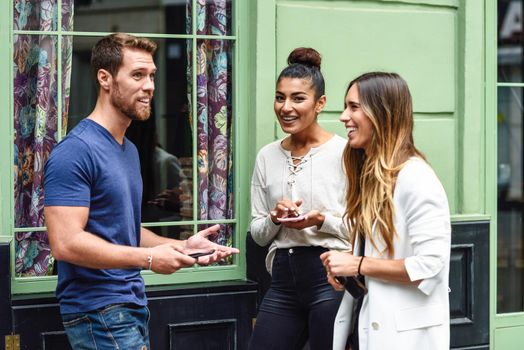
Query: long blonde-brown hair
385	99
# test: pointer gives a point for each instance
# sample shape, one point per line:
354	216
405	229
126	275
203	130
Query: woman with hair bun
399	213
297	204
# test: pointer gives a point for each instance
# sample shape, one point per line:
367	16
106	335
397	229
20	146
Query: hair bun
306	56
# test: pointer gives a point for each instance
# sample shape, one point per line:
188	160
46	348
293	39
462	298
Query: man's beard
128	109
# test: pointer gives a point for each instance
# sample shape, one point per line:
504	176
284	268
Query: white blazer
400	316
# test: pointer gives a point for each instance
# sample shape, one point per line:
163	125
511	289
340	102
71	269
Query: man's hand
199	242
168	258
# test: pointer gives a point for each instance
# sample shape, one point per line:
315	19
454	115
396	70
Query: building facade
213	109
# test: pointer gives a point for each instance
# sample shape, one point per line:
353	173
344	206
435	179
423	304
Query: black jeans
299	305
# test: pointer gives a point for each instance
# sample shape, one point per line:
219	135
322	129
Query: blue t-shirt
89	168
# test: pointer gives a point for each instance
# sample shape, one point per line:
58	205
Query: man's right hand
167	258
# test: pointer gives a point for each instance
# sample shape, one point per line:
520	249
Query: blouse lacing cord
294	169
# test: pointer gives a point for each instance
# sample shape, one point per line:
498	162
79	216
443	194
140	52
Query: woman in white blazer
398	207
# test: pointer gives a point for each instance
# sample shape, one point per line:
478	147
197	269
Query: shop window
186	147
510	158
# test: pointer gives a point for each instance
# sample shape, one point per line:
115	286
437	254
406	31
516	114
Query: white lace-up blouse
318	179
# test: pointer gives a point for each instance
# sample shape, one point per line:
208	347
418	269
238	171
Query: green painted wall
437	46
6	164
446	50
510	338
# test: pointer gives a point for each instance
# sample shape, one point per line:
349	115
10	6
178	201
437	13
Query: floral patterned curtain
214	129
36	121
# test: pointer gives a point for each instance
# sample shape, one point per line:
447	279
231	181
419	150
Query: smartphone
293	218
353	285
199	254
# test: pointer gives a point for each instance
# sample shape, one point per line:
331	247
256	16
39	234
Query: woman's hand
312	218
334	282
285	208
340	263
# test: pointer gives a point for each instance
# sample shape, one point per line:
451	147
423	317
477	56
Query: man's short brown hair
108	52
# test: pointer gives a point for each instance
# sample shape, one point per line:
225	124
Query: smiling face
358	126
295	104
132	89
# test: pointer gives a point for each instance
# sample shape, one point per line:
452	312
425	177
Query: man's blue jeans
117	326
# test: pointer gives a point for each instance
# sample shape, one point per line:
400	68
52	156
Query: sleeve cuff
331	225
264	231
425	269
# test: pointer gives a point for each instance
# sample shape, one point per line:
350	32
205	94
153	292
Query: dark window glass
510	252
510	41
164	142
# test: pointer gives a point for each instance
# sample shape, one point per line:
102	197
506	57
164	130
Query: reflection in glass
223	237
131	16
214	130
510	41
510	250
67	60
83	93
176	232
33	255
35	14
164	142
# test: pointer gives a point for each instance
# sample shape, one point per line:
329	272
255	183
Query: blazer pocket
420	317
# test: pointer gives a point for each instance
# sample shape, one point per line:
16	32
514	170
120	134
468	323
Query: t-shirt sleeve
68	175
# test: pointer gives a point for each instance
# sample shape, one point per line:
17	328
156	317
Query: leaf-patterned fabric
35	63
214	121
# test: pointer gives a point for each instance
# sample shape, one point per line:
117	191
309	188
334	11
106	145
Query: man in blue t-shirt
93	192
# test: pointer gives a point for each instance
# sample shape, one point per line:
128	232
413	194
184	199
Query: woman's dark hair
304	63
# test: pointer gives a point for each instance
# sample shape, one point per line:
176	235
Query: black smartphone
199	254
353	285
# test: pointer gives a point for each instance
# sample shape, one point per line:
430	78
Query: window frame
511	322
235	271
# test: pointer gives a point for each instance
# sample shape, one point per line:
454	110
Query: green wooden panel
440	3
264	74
471	109
511	338
436	138
6	162
453	3
417	42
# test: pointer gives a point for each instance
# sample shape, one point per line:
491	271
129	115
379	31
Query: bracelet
150	258
359	265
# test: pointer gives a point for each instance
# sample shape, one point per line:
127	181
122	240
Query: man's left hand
200	243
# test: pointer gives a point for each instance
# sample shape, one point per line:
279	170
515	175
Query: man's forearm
150	239
88	250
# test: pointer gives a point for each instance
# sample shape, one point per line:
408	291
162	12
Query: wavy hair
385	99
